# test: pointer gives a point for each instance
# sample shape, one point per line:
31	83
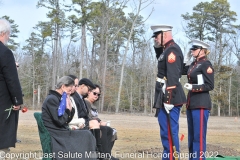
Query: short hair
65	80
4	26
72	76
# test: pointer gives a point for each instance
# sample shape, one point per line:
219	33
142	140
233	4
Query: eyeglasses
98	94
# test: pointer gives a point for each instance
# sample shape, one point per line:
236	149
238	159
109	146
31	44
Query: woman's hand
69	103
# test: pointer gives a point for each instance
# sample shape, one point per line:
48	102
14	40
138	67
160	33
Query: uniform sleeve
10	75
52	106
185	69
208	78
174	63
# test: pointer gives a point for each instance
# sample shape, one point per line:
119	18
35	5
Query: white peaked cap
202	44
161	27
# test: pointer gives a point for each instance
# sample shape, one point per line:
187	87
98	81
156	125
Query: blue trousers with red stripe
197	130
165	131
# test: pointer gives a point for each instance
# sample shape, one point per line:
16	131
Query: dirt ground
138	136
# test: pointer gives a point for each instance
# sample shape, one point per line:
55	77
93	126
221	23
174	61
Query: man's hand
17	108
168	107
188	86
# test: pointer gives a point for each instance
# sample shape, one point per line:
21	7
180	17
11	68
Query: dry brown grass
138	134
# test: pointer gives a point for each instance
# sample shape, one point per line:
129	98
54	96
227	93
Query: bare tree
138	8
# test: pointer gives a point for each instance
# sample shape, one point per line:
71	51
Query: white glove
168	107
164	88
188	86
187	58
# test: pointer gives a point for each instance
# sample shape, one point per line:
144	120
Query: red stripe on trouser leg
170	142
201	132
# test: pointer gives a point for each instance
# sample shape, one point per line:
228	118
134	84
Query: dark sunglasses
98	94
195	47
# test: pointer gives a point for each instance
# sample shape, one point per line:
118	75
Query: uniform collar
199	59
169	43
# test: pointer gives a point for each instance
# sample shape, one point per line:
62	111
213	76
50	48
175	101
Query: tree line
98	40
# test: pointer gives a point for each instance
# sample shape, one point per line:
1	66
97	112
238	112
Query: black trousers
106	139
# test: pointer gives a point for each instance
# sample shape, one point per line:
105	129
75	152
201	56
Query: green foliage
209	20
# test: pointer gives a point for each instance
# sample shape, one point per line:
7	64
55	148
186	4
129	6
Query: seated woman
107	141
66	143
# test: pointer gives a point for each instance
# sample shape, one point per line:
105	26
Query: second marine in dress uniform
200	76
169	94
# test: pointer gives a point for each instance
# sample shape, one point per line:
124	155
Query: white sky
26	14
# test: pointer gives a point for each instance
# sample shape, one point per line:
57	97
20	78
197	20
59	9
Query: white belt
160	80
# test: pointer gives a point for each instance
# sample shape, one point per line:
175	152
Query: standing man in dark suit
10	91
169	94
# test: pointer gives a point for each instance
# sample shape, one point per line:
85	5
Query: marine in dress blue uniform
200	76
169	94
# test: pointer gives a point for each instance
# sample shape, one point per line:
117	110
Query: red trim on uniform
201	132
170	142
190	71
171	87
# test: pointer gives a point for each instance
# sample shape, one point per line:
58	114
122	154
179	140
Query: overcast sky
26	14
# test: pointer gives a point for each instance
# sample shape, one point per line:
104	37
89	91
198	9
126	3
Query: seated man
66	143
